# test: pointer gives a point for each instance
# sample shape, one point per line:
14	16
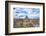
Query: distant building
24	22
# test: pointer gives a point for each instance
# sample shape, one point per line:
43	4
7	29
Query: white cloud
29	12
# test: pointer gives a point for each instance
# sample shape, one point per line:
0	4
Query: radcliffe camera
26	17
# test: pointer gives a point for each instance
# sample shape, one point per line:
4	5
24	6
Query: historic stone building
24	22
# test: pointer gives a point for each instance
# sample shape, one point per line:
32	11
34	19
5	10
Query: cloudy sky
31	13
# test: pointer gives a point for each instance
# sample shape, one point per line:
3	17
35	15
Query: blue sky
31	13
